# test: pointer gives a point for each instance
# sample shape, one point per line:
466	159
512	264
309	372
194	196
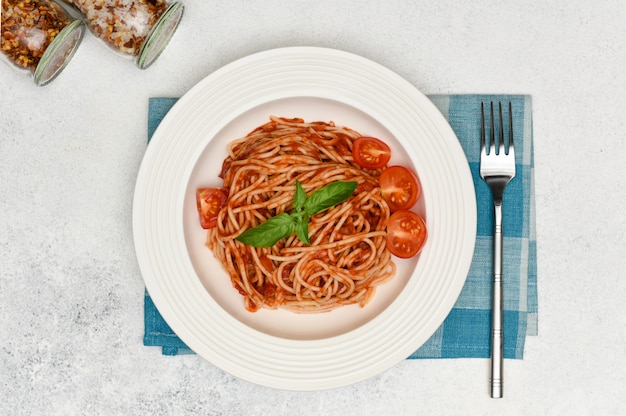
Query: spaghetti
347	258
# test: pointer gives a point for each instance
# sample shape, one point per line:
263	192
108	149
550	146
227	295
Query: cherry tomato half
406	234
209	202
370	152
399	187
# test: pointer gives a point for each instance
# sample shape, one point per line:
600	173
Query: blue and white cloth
465	333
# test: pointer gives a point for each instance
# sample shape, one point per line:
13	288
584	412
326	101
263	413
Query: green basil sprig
283	225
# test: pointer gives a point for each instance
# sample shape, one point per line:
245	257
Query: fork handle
497	339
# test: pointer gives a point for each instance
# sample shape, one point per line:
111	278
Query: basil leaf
269	232
276	228
329	196
299	198
302	232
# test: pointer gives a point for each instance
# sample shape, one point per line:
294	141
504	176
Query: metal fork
497	168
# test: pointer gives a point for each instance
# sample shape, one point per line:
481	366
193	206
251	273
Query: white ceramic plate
278	348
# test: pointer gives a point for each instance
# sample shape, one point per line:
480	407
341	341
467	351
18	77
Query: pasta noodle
347	258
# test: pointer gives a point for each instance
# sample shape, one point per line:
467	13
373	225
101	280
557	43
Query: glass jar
137	29
38	37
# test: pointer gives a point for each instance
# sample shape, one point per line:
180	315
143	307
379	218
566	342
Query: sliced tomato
399	187
370	152
406	234
209	202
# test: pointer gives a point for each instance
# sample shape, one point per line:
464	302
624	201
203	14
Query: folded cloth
465	333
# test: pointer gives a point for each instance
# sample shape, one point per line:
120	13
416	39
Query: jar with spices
138	29
38	37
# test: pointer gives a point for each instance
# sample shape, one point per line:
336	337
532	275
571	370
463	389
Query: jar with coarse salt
137	29
38	37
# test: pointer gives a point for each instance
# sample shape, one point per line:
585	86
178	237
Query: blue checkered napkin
465	332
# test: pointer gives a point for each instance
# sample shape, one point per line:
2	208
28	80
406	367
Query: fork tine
482	127
511	145
492	134
501	149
